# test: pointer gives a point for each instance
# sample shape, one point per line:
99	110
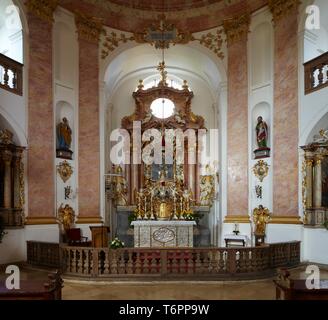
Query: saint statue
66	216
64	135
261	216
262	133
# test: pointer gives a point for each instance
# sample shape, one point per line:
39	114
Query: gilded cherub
261	216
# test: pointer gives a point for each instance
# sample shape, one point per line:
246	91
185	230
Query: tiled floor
167	290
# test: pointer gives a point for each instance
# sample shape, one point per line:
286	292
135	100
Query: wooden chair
75	238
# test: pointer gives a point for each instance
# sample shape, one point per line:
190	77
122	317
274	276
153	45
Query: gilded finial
161	68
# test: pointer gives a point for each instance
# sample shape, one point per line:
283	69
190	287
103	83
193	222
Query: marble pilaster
89	132
285	128
40	154
237	117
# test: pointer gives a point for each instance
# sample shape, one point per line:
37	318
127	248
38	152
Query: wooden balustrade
316	73
201	262
45	254
11	75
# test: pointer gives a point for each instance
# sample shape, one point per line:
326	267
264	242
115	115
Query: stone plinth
163	234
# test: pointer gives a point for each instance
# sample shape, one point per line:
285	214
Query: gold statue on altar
164	199
261	216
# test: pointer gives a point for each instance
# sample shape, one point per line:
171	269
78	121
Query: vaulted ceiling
136	15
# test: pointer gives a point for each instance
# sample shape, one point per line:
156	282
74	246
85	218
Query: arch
9	123
320	121
11	31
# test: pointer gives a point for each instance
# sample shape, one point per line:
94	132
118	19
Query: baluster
153	264
122	262
6	76
138	263
198	265
106	262
14	80
74	260
130	263
190	264
211	262
113	262
174	264
86	262
100	262
80	262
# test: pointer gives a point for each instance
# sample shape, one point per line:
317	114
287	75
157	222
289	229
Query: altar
163	234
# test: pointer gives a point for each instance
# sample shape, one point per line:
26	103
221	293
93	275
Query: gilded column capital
88	28
44	9
280	8
237	28
6	156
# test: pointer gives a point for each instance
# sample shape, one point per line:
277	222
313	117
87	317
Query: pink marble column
237	118
41	194
89	143
285	153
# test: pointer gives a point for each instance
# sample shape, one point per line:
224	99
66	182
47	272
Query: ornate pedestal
163	234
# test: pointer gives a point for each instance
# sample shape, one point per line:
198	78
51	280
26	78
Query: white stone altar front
163	234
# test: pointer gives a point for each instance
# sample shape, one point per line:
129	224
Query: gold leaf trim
86	220
285	220
237	219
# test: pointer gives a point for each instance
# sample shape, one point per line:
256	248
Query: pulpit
99	236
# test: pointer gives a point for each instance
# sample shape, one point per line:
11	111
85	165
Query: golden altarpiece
315	180
12	181
174	191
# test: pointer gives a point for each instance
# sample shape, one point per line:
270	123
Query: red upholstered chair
75	238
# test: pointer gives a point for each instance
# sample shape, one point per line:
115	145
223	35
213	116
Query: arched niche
261	54
66	110
262	109
64	56
11	31
321	124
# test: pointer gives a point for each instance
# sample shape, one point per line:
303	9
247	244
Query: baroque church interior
169	144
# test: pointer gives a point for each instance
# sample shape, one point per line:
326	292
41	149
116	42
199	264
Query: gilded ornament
43	9
88	28
65	170
6	137
237	28
261	216
66	216
304	185
281	8
162	36
261	170
207	190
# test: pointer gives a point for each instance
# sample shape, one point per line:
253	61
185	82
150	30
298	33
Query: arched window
11	33
162	108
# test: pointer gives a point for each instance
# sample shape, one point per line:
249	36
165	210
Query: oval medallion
164	235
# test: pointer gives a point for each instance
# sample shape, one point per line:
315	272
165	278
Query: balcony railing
213	263
316	73
11	75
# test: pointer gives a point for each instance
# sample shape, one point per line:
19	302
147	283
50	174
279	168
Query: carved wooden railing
202	262
11	75
43	254
316	73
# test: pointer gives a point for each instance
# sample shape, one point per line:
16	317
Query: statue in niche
262	133
64	140
262	137
66	216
